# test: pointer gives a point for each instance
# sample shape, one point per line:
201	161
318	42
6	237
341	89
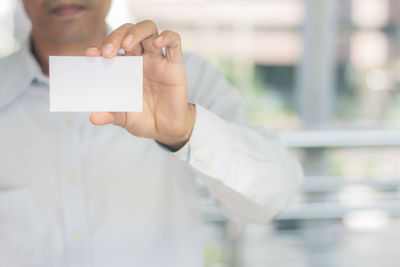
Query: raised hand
167	116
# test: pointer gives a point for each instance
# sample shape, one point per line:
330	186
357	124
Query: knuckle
175	36
172	34
121	30
112	39
150	22
128	25
123	27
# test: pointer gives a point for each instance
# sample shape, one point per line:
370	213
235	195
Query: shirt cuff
210	147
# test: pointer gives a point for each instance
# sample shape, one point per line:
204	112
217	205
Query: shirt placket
72	192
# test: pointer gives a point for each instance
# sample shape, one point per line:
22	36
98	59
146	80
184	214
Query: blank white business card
86	84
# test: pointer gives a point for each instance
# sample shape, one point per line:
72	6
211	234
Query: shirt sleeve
247	169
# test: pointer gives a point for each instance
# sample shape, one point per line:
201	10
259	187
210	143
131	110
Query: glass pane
367	64
257	44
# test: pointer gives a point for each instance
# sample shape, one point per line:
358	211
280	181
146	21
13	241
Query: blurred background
325	75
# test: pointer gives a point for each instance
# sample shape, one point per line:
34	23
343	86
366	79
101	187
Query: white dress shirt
76	195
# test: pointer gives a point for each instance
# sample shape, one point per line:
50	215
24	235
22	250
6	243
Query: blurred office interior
325	75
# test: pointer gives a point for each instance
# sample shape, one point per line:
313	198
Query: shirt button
76	238
70	178
199	153
67	117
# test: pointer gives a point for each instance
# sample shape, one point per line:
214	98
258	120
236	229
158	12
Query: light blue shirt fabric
76	195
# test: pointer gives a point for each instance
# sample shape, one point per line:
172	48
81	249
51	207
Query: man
75	194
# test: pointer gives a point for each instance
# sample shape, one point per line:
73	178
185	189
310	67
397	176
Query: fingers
137	39
172	42
144	33
134	39
113	43
101	118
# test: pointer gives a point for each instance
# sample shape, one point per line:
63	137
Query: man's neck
43	48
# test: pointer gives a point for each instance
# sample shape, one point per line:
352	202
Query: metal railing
314	211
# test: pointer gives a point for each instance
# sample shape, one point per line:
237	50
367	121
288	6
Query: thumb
101	118
104	118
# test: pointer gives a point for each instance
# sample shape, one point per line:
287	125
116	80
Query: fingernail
93	49
128	40
108	49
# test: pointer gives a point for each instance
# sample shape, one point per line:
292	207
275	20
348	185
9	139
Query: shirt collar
17	73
